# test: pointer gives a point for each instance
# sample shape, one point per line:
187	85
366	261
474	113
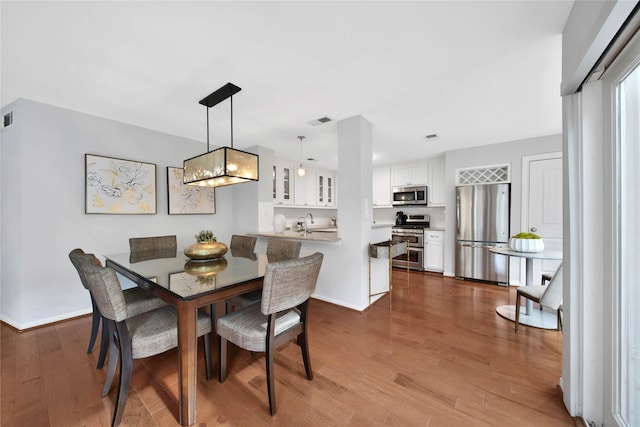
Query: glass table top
187	278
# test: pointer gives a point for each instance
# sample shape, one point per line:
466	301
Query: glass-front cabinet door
326	188
282	182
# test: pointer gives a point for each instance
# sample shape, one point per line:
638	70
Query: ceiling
472	72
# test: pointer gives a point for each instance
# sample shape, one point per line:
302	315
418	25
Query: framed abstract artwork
187	199
118	186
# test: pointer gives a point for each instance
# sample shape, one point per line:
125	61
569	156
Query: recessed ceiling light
431	137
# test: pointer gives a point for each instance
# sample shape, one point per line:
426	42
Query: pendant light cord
207	129
231	121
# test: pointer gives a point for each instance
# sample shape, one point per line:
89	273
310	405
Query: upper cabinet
325	189
282	185
317	188
416	174
437	193
382	187
305	189
431	172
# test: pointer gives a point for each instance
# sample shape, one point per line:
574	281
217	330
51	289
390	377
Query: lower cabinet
433	250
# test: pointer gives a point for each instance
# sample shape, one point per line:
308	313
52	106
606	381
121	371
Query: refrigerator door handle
457	215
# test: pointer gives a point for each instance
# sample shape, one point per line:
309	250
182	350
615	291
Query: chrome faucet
305	223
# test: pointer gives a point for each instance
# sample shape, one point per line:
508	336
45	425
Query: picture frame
187	199
119	187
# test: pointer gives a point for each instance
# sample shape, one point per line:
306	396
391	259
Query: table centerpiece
526	242
206	248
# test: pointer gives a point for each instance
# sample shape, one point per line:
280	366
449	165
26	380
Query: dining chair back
76	256
549	296
136	337
280	250
138	301
243	243
277	250
145	248
287	287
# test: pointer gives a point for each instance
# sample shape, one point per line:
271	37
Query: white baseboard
41	322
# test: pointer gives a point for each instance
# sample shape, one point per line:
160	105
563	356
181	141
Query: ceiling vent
320	121
7	119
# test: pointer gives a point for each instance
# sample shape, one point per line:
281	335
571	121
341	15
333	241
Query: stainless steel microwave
410	195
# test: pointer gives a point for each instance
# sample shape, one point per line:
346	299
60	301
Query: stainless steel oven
415	239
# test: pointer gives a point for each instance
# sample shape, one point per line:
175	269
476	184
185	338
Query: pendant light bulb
301	170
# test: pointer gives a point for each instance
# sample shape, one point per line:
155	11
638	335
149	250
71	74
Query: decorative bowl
206	250
526	245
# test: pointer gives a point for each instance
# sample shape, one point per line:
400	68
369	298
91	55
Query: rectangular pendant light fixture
225	165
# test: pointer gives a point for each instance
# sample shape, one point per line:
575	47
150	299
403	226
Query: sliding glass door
623	364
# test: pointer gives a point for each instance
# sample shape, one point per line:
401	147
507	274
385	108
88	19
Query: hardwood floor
440	357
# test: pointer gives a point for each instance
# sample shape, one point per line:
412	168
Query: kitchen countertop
383	225
324	236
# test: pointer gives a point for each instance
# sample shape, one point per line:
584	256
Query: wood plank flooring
441	356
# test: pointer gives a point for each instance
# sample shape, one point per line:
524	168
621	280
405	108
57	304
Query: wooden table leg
187	362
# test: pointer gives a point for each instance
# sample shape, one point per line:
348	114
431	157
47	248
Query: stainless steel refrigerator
482	213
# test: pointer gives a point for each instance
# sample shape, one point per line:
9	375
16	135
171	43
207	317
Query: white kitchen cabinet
433	250
437	193
382	187
305	189
282	182
325	188
416	174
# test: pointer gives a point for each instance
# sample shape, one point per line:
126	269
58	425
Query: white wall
43	215
495	154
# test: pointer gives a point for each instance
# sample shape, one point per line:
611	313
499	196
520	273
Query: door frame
524	201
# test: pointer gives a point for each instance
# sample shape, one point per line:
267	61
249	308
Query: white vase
526	245
279	223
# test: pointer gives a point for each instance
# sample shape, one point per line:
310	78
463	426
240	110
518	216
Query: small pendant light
301	169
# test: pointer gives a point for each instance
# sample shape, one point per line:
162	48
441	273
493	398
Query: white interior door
542	200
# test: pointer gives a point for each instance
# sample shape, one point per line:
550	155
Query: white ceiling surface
474	73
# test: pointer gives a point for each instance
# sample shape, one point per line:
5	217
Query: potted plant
206	247
526	242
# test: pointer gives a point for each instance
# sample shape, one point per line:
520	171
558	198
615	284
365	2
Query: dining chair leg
104	344
207	356
222	359
270	350
559	314
304	346
113	360
270	379
95	324
126	367
517	311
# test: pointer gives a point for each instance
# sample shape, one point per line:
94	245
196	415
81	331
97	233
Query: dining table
190	285
537	318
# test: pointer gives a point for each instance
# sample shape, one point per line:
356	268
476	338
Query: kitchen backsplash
388	215
321	217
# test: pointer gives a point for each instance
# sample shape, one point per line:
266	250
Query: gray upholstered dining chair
277	250
280	317
243	243
145	248
136	337
280	250
546	295
138	301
